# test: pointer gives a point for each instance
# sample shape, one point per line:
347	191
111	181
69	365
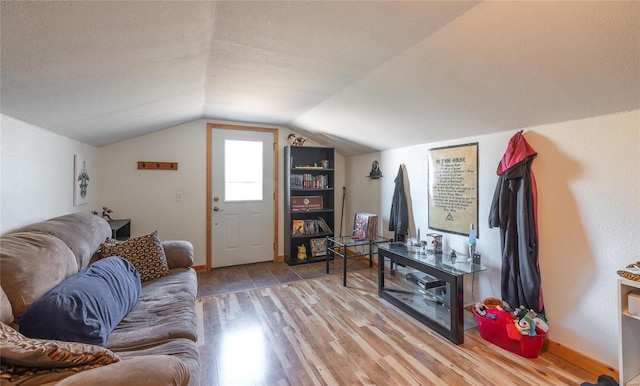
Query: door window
243	170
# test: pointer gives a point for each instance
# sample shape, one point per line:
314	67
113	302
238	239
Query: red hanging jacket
514	210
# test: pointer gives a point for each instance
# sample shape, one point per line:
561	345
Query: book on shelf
297	181
318	247
309	181
297	228
365	226
309	227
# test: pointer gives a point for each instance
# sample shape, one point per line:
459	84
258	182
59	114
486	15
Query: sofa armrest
179	253
157	370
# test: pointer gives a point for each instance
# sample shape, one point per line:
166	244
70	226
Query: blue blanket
87	306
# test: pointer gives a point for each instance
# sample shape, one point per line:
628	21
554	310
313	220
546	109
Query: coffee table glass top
439	261
348	241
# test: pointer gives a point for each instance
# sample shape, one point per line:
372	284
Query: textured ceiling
360	75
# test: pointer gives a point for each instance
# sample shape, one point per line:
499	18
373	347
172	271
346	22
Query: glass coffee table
348	247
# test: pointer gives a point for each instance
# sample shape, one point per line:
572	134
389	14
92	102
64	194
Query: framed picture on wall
80	181
453	188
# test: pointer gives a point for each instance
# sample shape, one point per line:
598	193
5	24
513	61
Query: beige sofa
155	343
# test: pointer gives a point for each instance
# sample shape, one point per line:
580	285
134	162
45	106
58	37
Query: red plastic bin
495	332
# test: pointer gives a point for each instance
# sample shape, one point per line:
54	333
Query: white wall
148	197
589	217
363	193
37	176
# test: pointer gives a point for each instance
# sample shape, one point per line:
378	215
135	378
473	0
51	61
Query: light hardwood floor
317	332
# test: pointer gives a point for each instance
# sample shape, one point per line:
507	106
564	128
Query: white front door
242	199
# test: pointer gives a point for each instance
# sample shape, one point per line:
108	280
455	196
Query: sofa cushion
179	253
6	313
82	232
153	370
166	310
183	349
32	263
144	252
23	357
87	306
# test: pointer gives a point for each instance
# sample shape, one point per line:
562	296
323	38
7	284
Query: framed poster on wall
453	188
80	181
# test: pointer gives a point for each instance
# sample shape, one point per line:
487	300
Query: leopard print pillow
144	252
23	357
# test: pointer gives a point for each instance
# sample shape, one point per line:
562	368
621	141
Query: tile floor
259	275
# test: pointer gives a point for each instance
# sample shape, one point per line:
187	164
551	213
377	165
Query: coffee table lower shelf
425	287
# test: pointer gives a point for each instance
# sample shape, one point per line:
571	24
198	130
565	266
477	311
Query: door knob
216	209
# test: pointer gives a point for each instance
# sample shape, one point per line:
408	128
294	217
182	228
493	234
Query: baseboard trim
574	357
200	268
203	268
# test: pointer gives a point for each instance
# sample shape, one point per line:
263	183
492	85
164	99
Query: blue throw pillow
87	306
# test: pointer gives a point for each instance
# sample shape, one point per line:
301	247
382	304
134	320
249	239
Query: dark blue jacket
399	217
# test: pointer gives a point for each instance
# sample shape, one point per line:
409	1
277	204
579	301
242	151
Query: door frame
274	131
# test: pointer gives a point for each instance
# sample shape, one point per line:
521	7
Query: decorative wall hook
157	165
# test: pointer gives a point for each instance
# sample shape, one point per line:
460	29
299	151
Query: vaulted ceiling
362	75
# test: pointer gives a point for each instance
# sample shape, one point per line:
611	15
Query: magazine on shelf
324	226
318	247
365	226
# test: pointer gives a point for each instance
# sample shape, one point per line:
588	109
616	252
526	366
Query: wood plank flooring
244	277
317	332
